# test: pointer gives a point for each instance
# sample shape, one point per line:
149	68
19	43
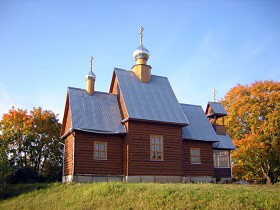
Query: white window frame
221	158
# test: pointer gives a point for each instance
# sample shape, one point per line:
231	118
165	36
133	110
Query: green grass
141	196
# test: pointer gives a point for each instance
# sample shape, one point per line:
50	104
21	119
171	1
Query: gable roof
217	109
154	101
225	142
98	113
199	128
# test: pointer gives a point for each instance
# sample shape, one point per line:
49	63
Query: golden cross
141	35
91	59
214	94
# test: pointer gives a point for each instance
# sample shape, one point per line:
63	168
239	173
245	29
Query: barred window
100	150
156	143
195	155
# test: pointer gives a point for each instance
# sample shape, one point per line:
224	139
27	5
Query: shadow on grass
13	190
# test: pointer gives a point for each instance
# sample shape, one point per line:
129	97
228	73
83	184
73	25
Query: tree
32	140
253	122
45	146
15	127
6	170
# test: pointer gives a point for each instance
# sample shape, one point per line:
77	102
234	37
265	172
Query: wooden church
139	132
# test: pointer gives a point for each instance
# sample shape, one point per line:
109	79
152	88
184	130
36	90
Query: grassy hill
140	196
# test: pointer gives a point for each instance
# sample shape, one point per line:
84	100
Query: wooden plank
84	148
222	172
206	168
66	122
68	155
138	154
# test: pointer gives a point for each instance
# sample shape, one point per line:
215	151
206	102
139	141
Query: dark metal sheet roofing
199	128
98	113
153	101
225	142
218	108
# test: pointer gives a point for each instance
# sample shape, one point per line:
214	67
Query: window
100	150
156	147
221	158
195	156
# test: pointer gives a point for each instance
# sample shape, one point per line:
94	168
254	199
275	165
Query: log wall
206	168
84	149
222	172
137	150
68	155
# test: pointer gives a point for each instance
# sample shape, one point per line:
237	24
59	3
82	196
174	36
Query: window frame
195	156
100	150
217	158
156	152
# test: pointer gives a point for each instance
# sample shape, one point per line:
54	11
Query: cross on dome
91	59
141	52
141	35
214	94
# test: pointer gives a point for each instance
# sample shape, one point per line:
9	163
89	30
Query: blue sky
45	46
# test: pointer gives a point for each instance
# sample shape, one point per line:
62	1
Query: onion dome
90	75
141	52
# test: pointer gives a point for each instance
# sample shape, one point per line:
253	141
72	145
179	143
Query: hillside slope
144	196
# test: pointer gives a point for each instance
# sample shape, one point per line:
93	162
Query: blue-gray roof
199	128
154	101
217	108
225	142
98	113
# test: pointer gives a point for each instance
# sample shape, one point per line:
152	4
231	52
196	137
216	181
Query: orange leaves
31	139
254	123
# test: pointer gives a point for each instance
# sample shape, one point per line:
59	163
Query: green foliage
6	170
253	122
25	175
144	196
32	141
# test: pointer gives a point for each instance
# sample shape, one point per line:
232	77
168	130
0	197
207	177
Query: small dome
90	75
141	52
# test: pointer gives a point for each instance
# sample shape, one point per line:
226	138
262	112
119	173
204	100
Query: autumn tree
15	127
45	147
254	124
32	140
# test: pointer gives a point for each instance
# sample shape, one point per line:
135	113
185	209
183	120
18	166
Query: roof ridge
216	102
105	93
94	91
190	105
159	76
129	71
120	69
76	88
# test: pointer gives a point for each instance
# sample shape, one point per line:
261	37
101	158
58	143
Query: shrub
26	175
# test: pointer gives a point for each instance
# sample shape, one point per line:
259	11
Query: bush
6	171
26	175
52	173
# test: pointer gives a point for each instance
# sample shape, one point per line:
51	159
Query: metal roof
217	109
225	142
153	101
98	113
199	128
